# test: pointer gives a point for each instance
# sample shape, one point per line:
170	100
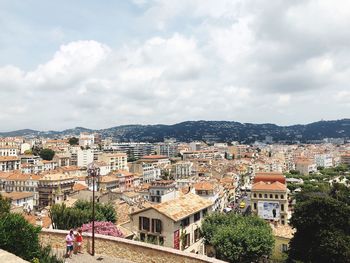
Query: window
197	235
254	194
282	207
284	247
197	216
276	196
185	222
143	223
156	226
282	196
265	195
260	195
205	212
187	240
254	206
142	237
271	196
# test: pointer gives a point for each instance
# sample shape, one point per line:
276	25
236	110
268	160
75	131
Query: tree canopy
236	238
5	205
322	223
73	141
47	154
63	217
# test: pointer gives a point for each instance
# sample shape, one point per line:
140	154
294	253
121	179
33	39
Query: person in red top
79	240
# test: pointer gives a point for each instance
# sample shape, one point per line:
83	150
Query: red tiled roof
262	186
269	177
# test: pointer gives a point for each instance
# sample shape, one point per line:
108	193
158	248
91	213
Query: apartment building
175	223
19	182
21	199
183	169
133	149
212	192
345	159
323	160
162	190
9	163
116	161
305	166
148	171
7	150
269	197
54	188
84	157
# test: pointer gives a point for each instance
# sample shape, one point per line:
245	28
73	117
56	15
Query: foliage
47	154
237	238
36	150
73	141
28	152
19	237
322	223
63	217
103	228
5	205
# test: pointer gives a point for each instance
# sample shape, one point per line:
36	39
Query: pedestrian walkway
87	258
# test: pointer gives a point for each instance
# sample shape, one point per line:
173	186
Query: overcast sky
100	64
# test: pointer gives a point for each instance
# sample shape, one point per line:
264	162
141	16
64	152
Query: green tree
63	217
237	238
47	154
5	206
322	226
73	141
19	237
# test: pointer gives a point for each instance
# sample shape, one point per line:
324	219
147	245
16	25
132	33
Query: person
79	240
69	243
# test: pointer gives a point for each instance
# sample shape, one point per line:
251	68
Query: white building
324	160
183	169
84	157
21	199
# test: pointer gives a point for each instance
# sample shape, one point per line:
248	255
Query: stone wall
134	251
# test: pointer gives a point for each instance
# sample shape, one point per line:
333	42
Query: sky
100	64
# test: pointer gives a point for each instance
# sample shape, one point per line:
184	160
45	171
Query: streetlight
93	172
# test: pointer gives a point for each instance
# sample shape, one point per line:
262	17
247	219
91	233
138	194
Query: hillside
225	131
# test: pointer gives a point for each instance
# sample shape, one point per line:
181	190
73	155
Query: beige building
269	198
54	188
115	161
175	223
9	163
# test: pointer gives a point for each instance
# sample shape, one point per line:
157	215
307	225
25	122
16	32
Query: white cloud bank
249	61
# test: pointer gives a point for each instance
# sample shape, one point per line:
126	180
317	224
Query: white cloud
244	60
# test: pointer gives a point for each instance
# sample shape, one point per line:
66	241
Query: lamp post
93	173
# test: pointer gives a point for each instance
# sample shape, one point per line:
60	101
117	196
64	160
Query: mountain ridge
207	130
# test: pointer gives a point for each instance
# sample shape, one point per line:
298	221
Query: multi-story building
21	199
269	197
162	190
116	161
9	163
323	160
18	182
175	223
345	159
8	151
183	169
133	149
210	191
305	166
168	149
84	157
54	188
148	171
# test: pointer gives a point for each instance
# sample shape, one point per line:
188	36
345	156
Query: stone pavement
87	258
11	258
